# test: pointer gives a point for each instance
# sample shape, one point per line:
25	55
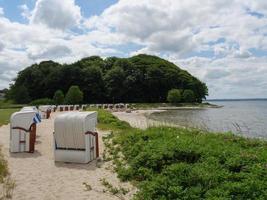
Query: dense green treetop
141	78
74	95
58	97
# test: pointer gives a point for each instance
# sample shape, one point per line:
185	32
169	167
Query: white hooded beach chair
54	108
29	108
45	111
75	137
83	106
76	107
23	131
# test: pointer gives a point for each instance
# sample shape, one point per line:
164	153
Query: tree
174	96
189	96
21	95
141	78
58	97
74	95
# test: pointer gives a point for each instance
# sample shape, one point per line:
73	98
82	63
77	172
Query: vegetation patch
107	121
141	78
6	183
5	115
173	163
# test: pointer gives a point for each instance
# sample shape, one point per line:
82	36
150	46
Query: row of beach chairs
118	106
75	137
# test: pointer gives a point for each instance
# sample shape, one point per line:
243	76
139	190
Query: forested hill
141	78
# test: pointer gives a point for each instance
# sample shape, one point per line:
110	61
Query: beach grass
6	183
107	121
5	115
178	163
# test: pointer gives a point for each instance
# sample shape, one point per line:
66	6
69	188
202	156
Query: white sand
138	118
38	177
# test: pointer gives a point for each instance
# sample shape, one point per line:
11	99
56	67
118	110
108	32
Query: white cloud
213	40
56	14
26	13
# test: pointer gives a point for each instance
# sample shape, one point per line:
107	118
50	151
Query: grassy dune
172	163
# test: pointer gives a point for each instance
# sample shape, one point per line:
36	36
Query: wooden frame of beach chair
75	138
22	132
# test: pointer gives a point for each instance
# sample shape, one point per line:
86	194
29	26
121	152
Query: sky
223	43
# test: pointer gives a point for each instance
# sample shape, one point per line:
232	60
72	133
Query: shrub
58	97
74	95
44	101
173	163
174	96
189	96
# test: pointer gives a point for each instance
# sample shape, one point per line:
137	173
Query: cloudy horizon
224	44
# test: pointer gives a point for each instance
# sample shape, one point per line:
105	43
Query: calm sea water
248	118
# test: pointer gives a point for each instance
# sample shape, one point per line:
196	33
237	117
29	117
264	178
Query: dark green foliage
141	78
74	95
58	97
172	163
174	96
21	95
189	96
44	101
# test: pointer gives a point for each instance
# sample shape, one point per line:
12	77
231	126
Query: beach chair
45	111
23	131
71	107
76	107
54	108
75	137
61	108
67	108
84	106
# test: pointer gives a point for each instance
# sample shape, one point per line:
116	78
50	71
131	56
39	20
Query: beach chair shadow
25	155
88	166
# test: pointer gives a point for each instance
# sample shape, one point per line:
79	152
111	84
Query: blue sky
88	7
222	43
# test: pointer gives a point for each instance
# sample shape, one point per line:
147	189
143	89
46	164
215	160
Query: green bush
74	95
172	163
174	96
58	97
189	96
44	101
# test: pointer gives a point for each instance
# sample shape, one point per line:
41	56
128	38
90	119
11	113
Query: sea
243	117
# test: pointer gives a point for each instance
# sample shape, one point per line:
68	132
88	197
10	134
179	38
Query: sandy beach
139	119
37	176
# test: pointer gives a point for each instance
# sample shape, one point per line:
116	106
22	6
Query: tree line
141	78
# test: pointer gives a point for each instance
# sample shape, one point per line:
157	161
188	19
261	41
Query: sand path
38	177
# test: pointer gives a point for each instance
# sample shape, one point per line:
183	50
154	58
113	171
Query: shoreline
140	119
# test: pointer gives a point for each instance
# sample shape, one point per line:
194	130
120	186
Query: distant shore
178	106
